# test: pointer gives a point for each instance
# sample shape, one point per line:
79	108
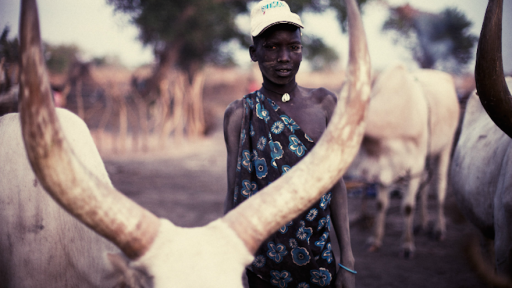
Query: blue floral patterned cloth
299	254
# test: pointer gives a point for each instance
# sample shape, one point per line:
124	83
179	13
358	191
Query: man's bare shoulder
234	109
325	95
233	116
321	95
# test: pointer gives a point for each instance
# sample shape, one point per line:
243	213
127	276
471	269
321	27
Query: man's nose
283	55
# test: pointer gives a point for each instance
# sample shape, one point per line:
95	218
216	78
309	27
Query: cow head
490	79
155	244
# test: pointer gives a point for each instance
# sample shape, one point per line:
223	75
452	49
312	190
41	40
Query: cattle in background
481	169
411	121
157	247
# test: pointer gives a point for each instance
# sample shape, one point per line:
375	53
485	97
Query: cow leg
408	206
380	220
424	219
503	230
441	179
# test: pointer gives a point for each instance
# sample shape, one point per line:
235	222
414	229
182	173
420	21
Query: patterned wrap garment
299	254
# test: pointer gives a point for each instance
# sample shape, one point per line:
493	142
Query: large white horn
298	189
102	208
490	79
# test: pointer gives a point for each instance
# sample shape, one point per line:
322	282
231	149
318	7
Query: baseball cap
268	12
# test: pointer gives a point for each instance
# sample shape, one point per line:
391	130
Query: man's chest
311	119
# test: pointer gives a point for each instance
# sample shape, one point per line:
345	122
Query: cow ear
489	77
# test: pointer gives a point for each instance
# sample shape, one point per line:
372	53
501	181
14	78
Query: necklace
285	97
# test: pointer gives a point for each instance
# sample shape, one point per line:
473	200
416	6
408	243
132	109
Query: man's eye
296	47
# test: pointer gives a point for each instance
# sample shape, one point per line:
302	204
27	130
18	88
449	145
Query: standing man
267	132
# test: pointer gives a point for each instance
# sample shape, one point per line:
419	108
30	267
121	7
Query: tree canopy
184	33
184	36
191	33
60	57
9	48
319	55
441	41
9	59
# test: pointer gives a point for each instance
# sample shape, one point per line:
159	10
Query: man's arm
340	222
232	127
329	102
339	214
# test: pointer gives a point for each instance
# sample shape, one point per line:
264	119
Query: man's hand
345	279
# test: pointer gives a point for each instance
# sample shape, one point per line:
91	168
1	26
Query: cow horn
102	208
313	176
489	77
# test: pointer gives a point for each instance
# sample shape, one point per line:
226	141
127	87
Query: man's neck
276	91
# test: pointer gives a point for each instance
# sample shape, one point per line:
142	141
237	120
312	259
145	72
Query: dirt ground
187	185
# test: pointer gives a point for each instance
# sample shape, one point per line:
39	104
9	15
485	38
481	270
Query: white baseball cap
269	12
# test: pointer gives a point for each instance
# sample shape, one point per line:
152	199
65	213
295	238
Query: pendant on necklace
286	97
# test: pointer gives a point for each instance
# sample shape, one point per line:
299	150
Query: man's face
278	52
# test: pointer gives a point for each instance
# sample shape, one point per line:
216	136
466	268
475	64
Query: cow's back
396	129
410	116
397	109
41	245
439	88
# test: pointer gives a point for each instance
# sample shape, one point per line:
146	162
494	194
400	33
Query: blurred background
152	80
142	72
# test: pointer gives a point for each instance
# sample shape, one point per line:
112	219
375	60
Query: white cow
39	241
411	122
481	169
173	256
480	177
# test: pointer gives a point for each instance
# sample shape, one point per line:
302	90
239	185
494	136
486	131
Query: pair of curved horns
489	77
131	227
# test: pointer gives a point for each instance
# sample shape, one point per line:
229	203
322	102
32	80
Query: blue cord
349	270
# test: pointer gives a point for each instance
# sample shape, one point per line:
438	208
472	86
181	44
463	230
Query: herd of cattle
401	129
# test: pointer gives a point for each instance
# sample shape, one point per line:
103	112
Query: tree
185	35
9	58
9	48
440	41
59	58
319	55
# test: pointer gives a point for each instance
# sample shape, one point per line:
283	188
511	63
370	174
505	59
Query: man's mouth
283	72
